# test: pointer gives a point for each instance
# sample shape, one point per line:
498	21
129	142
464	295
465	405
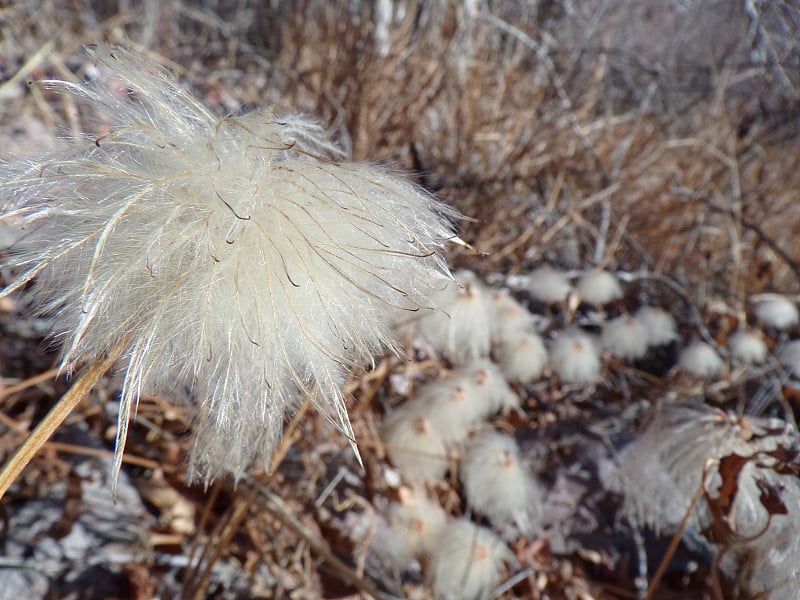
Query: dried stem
52	421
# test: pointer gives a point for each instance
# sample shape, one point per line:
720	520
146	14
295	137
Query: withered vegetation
660	139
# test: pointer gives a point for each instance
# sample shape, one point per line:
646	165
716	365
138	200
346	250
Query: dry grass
659	138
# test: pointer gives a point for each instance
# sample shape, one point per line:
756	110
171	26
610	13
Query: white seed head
461	330
414	444
626	337
548	285
700	359
470	394
387	547
664	467
510	318
598	287
523	357
748	346
497	485
466	563
575	358
418	519
238	257
491	386
452	405
775	310
659	325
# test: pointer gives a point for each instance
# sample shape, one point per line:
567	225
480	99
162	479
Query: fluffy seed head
659	325
664	467
467	561
701	359
598	287
548	285
775	310
415	445
491	386
575	358
497	485
747	346
239	257
418	519
523	357
461	330
625	337
455	403
510	318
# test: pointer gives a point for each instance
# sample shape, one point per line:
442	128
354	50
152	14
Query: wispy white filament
625	337
575	358
598	287
700	359
239	258
659	324
775	310
496	483
467	562
461	331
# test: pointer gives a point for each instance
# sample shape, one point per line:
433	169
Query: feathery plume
659	324
548	285
625	337
700	359
575	358
523	357
239	257
664	467
598	287
466	563
418	519
496	483
510	319
748	346
414	444
776	310
461	330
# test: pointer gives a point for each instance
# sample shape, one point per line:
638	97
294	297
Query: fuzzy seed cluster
239	258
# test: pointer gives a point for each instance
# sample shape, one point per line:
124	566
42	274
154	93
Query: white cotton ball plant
575	357
598	287
510	319
419	519
450	407
776	310
748	346
461	330
414	444
549	285
240	257
467	562
496	483
701	360
491	387
625	337
659	324
523	358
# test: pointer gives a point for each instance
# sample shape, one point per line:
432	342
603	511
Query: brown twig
54	418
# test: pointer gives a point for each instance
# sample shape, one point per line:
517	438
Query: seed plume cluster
240	258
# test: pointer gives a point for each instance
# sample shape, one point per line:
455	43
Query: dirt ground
659	140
